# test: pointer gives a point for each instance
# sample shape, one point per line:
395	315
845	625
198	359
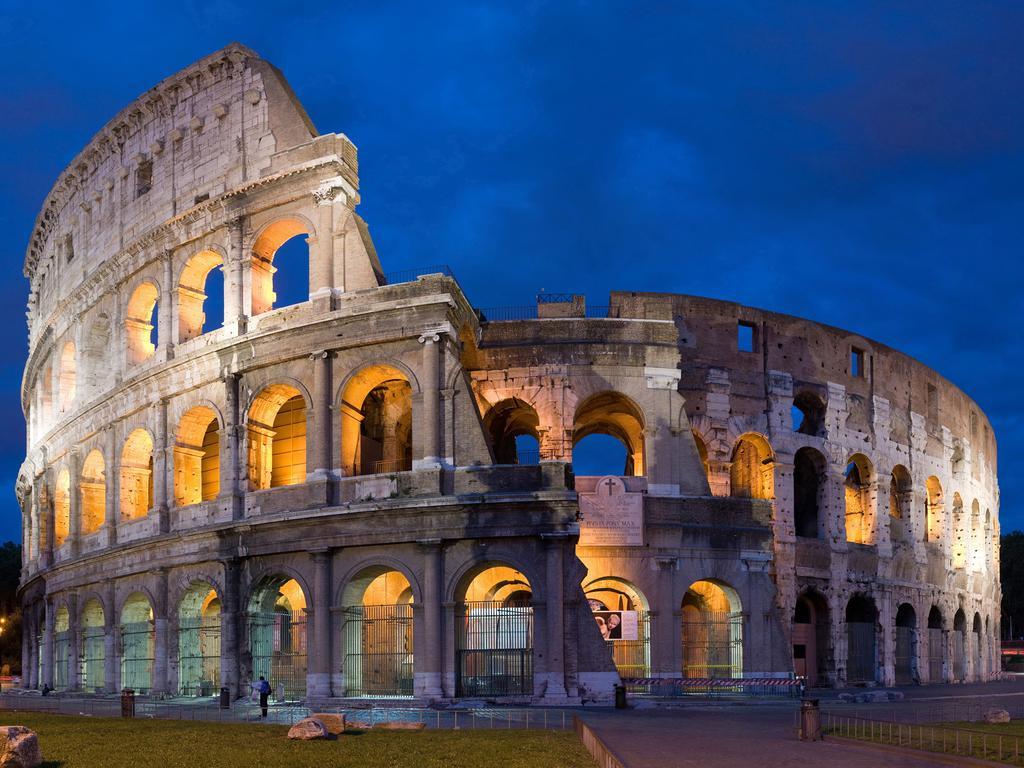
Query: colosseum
369	492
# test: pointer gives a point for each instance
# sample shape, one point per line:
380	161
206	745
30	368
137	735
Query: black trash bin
127	702
620	697
225	698
810	720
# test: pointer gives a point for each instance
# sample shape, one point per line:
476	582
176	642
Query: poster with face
617	625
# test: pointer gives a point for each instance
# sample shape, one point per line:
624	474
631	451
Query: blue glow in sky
858	163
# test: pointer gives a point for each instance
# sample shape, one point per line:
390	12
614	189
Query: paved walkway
726	737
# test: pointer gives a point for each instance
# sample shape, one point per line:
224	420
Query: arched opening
861	640
494	634
808	472
45	384
280	266
140	323
702	452
277	636
620	421
934	519
936	647
199	641
62	508
276	430
193	289
752	471
378	634
979	652
137	643
901	497
93	486
712	631
960	534
976	551
512	428
905	657
97	367
137	475
376	422
808	414
93	653
61	647
811	638
68	376
959	646
622	614
197	457
860	502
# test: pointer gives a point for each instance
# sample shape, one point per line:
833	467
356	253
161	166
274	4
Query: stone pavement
729	737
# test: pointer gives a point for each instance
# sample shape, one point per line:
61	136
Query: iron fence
904	657
712	644
860	643
137	656
93	658
936	655
61	651
493	649
410	275
198	656
379	650
633	657
277	642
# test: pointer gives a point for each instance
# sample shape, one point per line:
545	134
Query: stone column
165	310
320	436
229	634
160	632
321	252
113	478
74	500
431	401
428	679
111	663
47	518
32	627
887	646
26	653
666	629
231	462
555	616
48	640
236	303
163	462
318	680
74	683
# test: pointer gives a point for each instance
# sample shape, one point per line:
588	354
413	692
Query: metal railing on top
410	275
391	465
529	312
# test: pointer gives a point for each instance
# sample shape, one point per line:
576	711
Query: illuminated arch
93	487
197	457
934	514
277	633
68	375
615	603
959	546
276	431
265	247
93	649
859	488
712	617
199	640
140	320
505	422
62	508
137	475
192	293
901	504
613	414
137	643
376	421
752	471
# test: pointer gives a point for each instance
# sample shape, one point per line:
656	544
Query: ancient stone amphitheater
370	492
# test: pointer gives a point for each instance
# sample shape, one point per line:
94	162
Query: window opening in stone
752	469
512	428
808	486
143	178
201	295
141	323
745	336
857	363
859	500
614	424
376	422
137	476
94	493
197	457
280	266
808	414
276	430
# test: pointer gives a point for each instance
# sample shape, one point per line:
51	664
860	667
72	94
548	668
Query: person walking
263	687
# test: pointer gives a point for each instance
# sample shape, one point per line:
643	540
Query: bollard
225	698
620	697
810	720
127	702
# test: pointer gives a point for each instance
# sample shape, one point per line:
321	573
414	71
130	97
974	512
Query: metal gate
378	650
493	649
137	656
860	650
633	657
279	651
61	649
936	655
904	656
93	659
199	656
712	644
959	656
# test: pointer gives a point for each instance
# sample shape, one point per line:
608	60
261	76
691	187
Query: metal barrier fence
514	718
410	275
923	712
791	688
936	737
529	312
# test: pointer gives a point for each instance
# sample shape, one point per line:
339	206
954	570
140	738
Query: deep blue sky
858	163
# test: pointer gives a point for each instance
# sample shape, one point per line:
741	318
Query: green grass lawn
93	742
1001	743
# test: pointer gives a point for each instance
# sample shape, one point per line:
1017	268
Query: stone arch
861	639
197	456
138	638
192	292
809	489
276	436
959	645
497	555
976	551
808	414
504	423
92	620
68	376
901	504
905	654
62	508
137	475
375	407
93	487
859	484
199	625
936	646
616	415
979	647
277	632
959	546
61	644
934	510
712	618
702	453
752	468
268	240
97	368
376	564
613	601
812	638
140	320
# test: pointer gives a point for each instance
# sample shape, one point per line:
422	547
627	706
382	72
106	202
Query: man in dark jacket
263	688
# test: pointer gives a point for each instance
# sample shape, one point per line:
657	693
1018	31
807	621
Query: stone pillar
887	637
160	632
165	310
74	500
111	663
320	435
32	629
428	678
74	683
431	401
229	634
321	253
231	461
113	482
26	650
163	462
318	680
236	300
48	640
47	518
666	625
555	616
